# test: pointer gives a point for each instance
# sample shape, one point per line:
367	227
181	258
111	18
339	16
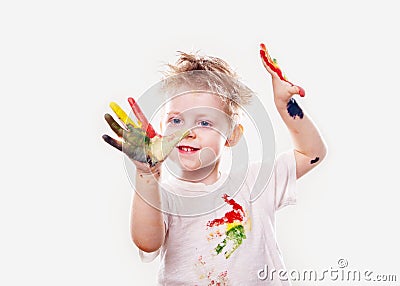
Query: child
229	241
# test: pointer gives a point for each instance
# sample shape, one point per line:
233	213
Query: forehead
187	101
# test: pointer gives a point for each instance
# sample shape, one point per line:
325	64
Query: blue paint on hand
294	109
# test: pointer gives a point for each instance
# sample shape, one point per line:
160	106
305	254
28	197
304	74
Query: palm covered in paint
139	140
283	89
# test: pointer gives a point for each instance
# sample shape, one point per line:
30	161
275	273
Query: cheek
208	156
215	141
168	129
173	155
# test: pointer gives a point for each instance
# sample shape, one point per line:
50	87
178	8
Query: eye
204	123
175	121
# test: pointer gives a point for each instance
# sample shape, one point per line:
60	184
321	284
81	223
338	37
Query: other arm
309	147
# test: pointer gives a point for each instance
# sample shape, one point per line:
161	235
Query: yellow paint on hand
122	115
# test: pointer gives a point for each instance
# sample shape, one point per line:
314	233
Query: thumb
294	89
161	146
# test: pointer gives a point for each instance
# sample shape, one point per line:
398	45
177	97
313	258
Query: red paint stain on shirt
237	214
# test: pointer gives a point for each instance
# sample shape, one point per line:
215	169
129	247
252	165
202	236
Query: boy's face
204	114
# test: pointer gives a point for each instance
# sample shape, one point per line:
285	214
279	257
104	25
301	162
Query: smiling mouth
187	149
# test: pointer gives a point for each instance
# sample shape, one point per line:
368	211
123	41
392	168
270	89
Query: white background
65	198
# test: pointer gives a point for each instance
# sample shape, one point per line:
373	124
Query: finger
264	49
122	115
113	142
295	89
133	151
114	125
146	126
264	60
162	146
272	67
300	91
269	63
275	73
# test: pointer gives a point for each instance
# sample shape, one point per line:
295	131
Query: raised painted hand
272	67
139	141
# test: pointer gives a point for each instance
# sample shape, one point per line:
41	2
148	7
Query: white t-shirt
234	244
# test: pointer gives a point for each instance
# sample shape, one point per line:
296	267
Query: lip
186	149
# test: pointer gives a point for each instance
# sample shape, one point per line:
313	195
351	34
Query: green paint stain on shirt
235	234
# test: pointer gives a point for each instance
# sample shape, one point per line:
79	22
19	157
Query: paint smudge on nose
313	161
294	109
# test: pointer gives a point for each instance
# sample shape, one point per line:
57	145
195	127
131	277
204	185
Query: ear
235	136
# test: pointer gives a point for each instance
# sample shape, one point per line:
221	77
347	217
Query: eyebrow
173	112
213	116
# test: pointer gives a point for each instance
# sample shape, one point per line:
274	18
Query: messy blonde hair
210	74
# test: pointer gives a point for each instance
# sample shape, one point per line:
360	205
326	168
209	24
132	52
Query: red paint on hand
146	126
275	68
302	92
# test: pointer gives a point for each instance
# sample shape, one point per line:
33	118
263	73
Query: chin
198	166
190	166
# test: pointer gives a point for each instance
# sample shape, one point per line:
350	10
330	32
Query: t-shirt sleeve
285	180
147	257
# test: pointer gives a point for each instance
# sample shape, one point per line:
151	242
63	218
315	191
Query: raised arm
147	150
309	147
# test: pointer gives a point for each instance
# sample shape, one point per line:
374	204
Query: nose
192	133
